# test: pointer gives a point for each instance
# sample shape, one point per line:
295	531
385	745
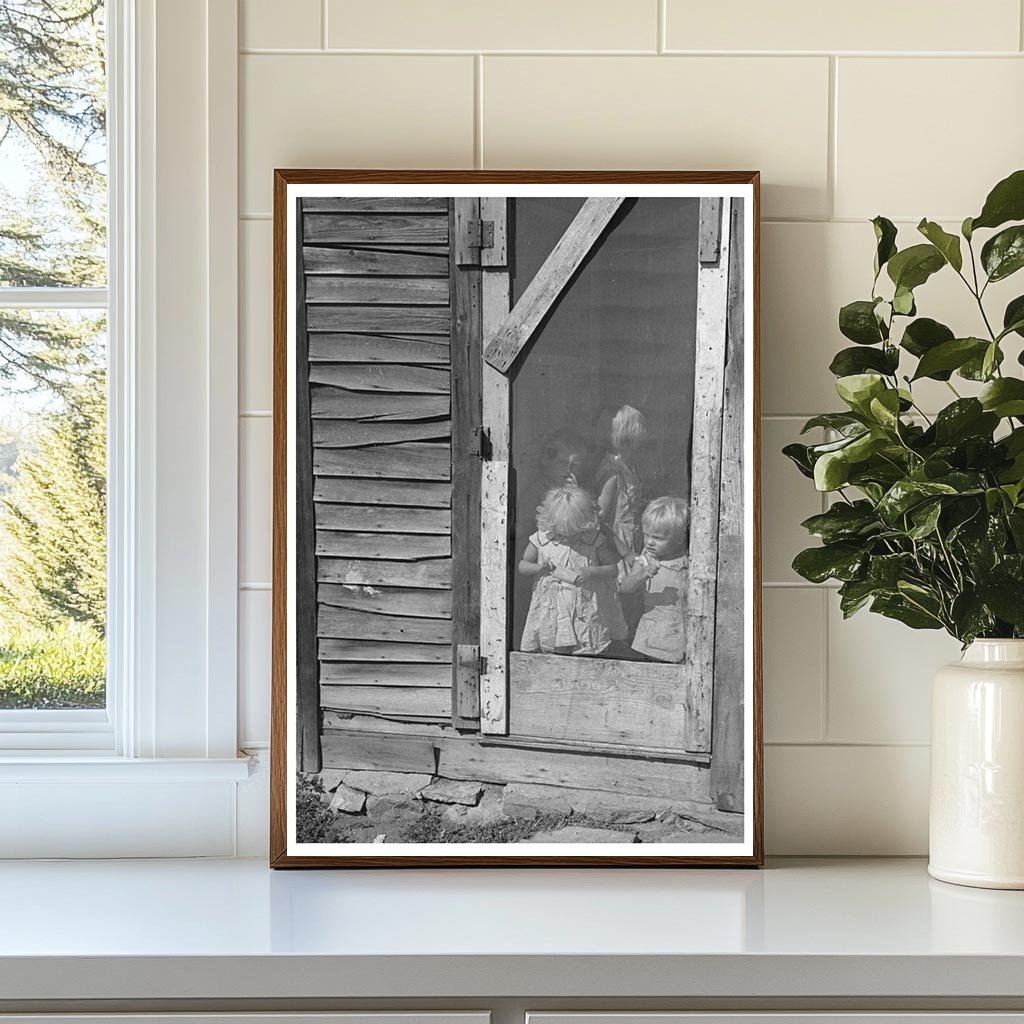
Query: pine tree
53	521
53	122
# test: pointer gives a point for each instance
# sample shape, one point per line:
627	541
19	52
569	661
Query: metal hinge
480	234
480	444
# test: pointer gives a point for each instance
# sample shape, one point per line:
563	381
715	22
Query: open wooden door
619	252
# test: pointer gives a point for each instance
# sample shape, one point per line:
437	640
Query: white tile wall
909	110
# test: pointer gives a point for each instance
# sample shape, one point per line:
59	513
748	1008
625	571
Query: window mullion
53	298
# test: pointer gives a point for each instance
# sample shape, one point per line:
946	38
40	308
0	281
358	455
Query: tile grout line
825	692
662	41
478	111
323	25
1020	24
260	51
831	171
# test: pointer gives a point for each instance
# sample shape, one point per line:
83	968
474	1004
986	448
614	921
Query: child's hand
650	568
567	575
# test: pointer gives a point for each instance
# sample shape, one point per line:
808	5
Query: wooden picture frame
403	313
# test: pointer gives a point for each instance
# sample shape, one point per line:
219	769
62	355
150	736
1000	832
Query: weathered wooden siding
377	343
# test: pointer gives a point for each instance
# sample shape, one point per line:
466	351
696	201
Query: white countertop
234	929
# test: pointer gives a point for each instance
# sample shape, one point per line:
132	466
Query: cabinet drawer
787	1017
359	1017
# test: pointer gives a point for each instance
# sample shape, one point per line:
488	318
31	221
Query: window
53	365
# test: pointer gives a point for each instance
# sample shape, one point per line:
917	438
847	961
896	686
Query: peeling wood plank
399	546
501	761
706	448
336	403
466	686
383	650
495	210
430	604
377	753
635	704
384	673
466	210
377	261
363	491
349	228
727	720
411	461
375	204
412	726
555	273
416	291
383	519
345	624
494	694
709	232
379	319
466	407
434	574
496	298
426	380
353	434
419	701
379	348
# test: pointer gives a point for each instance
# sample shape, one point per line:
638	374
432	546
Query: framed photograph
516	551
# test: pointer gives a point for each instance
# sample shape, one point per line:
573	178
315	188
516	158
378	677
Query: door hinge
480	444
481	234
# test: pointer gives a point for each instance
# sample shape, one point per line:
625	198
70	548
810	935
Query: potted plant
926	521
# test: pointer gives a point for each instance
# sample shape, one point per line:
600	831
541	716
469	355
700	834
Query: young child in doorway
574	607
660	572
619	487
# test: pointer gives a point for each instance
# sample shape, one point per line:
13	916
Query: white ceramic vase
976	815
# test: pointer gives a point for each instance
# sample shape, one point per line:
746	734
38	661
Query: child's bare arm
529	564
607	564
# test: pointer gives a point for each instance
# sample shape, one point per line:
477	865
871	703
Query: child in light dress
660	572
618	484
574	607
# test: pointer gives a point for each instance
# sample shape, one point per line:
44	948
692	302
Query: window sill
77	766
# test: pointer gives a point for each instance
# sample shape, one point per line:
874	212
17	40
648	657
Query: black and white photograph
516	559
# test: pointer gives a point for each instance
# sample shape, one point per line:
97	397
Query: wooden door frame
505	340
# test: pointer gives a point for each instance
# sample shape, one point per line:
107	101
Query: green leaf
903	302
912	267
974	368
799	455
885	409
854	595
970	617
923	335
897	607
906	494
1005	202
950	355
1013	317
841	561
1005	596
857	321
887	570
858	389
831	471
841	421
925	518
1004	397
1003	254
947	244
965	229
966	417
990	360
849	361
842	521
885	237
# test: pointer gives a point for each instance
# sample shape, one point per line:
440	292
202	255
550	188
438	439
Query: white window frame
171	717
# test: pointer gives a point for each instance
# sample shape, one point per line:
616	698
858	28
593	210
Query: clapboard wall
375	277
